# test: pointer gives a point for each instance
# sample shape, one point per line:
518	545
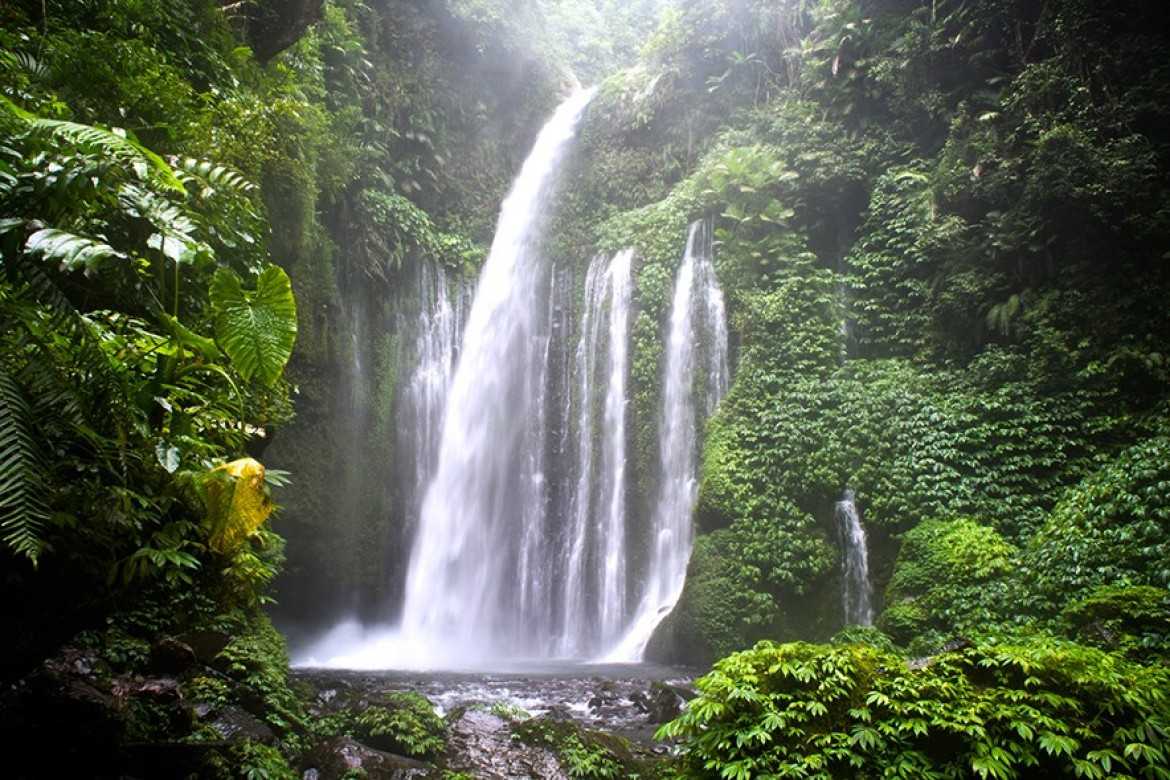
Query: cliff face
271	26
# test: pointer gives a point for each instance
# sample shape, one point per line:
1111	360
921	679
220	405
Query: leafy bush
1040	710
404	723
951	576
1132	620
1111	529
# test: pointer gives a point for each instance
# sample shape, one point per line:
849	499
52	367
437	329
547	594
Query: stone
237	724
483	745
335	758
664	703
170	656
205	644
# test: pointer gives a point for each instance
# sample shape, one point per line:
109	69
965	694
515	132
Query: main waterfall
477	586
856	590
515	462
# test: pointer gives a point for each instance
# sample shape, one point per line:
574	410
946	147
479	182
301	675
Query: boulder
67	722
170	656
483	745
205	644
664	703
236	724
336	758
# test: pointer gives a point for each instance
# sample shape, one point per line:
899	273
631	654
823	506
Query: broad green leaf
256	328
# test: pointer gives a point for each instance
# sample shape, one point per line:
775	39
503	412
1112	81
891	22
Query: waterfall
698	331
594	558
478	584
856	591
437	326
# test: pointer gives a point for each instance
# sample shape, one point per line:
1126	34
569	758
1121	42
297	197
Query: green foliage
405	723
258	658
121	387
394	230
588	755
999	711
588	762
950	578
1134	620
1111	529
23	514
257	329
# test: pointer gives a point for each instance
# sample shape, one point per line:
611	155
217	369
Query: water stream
698	334
856	591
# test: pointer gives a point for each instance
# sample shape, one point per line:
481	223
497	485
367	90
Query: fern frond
69	250
88	363
141	160
155	209
23	513
210	175
115	144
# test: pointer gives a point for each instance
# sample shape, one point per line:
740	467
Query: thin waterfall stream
856	590
698	332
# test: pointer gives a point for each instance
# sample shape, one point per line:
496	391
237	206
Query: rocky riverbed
543	722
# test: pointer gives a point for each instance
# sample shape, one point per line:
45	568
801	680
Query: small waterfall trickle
856	590
594	556
698	330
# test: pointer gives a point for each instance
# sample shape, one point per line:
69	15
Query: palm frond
113	143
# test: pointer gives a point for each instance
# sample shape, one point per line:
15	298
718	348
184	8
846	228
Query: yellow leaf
237	503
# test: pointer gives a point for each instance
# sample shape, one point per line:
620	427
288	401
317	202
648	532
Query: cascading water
438	325
523	545
697	306
478	586
594	561
856	591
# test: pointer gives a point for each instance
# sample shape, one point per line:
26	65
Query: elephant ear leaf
256	328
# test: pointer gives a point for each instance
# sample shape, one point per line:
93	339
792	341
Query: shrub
950	576
406	723
1040	710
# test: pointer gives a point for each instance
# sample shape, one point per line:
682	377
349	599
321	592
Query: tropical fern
22	480
103	379
114	143
208	174
257	329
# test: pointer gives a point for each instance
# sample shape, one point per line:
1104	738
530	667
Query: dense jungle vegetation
943	230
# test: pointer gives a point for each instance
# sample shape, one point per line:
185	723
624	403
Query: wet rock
205	644
158	690
64	703
664	703
337	758
236	724
170	656
169	759
482	745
